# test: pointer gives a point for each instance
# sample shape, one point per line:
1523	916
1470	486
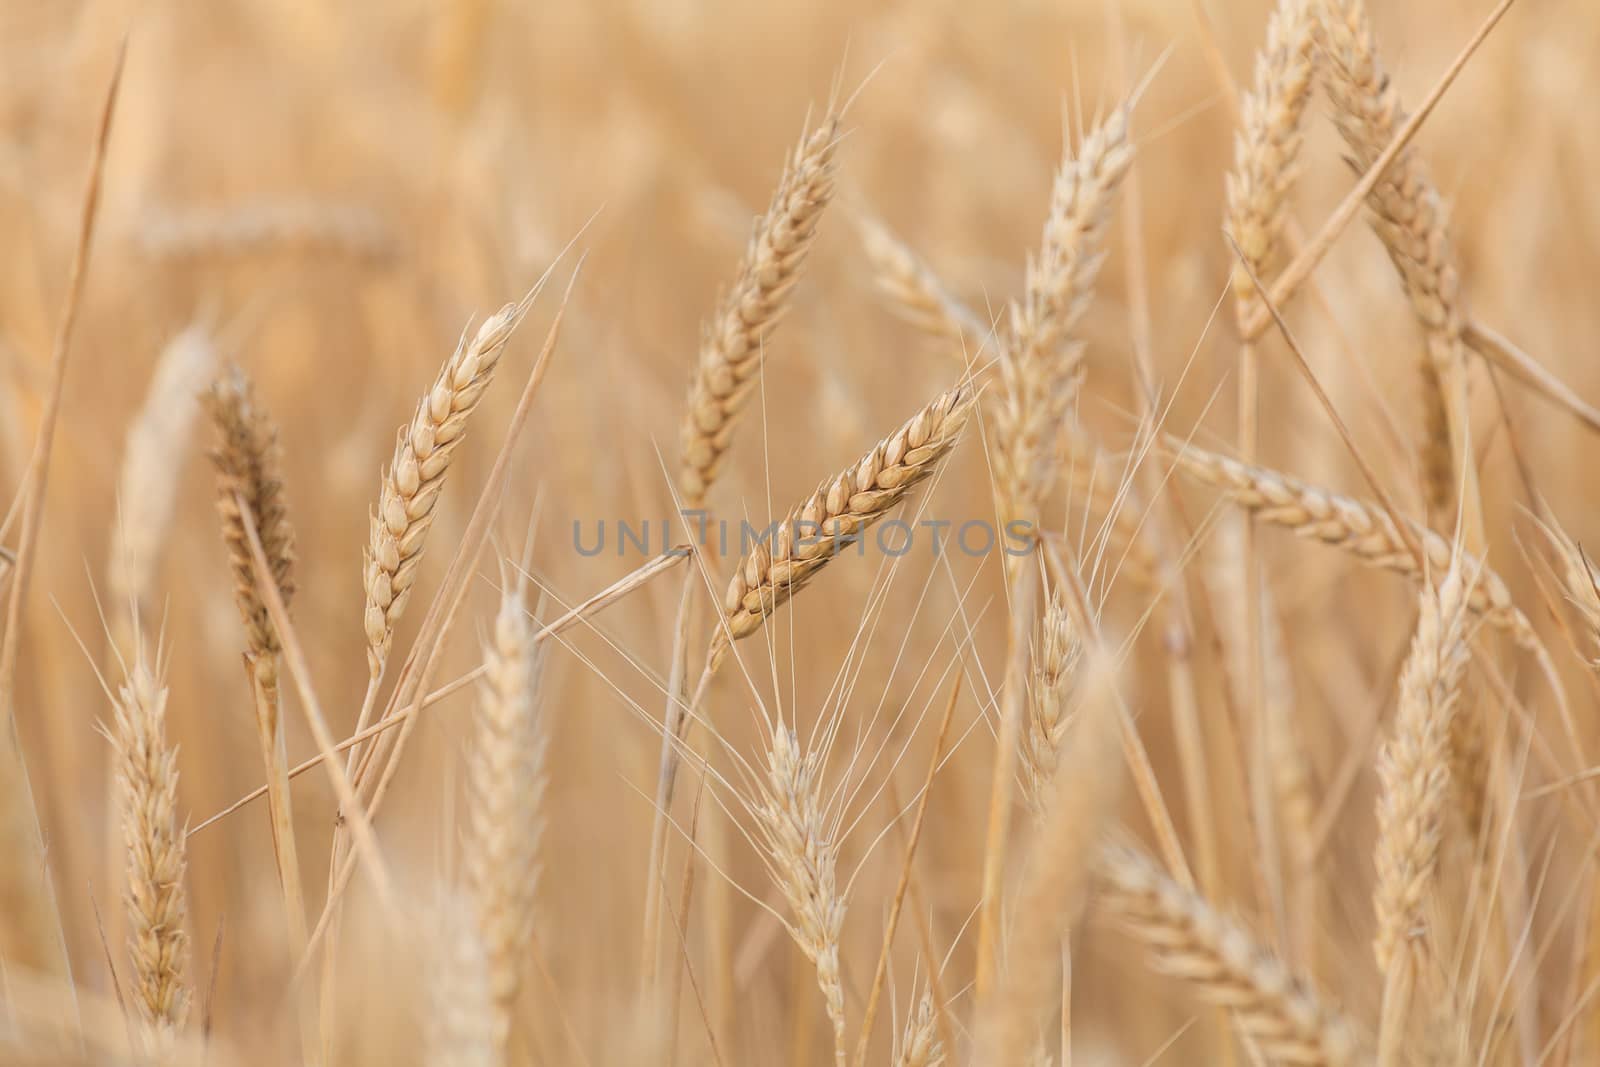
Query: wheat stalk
838	511
1359	528
147	786
411	485
1411	219
802	854
505	820
1285	1018
733	342
1041	363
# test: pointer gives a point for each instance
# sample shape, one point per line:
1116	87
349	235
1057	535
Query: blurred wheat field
1271	744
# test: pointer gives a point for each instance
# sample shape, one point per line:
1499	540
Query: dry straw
1223	965
147	788
505	820
732	347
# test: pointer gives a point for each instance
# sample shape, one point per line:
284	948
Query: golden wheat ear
734	340
841	508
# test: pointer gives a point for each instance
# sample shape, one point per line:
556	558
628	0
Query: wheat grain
147	784
1187	938
732	348
505	821
411	485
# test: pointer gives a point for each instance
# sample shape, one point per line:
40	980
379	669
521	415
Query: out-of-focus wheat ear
1058	653
461	1014
732	345
914	292
505	819
1080	806
1361	529
920	1044
152	460
1414	777
248	463
840	510
1410	218
1266	148
1041	362
189	235
1221	963
415	476
147	787
802	854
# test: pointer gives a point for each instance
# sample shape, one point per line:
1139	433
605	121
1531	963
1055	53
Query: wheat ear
246	459
1221	962
147	787
914	292
460	1028
732	345
920	1045
1266	148
1041	363
838	511
1414	777
506	818
152	459
1410	218
1362	529
411	485
1058	654
802	854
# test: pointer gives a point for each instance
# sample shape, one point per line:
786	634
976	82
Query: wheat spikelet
415	476
1362	529
1058	654
731	349
802	855
505	821
1216	957
1414	769
1579	579
247	463
1041	364
1411	219
147	786
920	1045
913	291
152	459
840	509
